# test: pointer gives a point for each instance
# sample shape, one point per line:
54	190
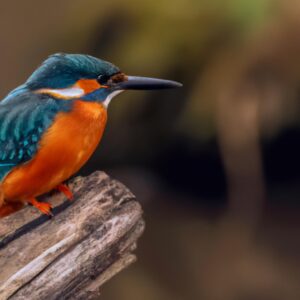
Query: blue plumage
62	70
24	119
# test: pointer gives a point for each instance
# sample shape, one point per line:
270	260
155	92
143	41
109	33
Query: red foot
43	207
67	192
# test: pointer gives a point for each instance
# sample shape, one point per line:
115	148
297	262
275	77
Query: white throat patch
110	96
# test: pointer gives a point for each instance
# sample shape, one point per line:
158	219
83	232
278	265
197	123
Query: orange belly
63	150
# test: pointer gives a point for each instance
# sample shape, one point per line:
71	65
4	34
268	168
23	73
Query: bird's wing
23	121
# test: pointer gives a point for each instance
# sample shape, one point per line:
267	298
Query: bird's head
77	76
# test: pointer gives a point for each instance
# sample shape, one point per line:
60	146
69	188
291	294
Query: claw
66	191
43	207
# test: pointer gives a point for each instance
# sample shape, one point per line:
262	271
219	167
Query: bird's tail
8	208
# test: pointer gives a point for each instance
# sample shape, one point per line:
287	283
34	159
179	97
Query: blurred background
215	164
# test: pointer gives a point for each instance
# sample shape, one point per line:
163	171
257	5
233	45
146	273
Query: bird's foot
66	191
43	207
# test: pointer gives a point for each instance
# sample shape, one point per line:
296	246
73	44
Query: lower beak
146	83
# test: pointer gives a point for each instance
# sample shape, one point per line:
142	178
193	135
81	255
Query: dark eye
102	79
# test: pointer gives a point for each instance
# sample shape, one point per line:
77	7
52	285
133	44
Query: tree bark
70	256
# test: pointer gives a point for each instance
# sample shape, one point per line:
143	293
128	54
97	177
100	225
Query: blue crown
62	70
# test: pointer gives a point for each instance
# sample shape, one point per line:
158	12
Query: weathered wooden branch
71	255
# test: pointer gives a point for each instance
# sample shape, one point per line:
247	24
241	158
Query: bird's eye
102	79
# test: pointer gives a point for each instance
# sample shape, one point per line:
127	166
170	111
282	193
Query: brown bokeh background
215	164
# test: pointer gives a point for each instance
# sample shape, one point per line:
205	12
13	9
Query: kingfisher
51	125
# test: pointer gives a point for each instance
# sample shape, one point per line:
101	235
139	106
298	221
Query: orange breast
64	149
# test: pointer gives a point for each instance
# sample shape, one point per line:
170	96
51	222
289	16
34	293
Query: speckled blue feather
63	70
24	119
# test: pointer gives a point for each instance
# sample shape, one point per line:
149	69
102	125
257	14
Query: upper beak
146	83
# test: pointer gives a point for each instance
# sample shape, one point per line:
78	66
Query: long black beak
146	83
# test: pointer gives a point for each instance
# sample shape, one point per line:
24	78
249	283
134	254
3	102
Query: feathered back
24	118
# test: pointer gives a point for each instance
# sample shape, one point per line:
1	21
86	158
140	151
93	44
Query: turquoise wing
24	118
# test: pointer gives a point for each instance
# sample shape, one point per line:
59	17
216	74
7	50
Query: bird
51	125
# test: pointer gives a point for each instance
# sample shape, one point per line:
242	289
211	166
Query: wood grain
71	255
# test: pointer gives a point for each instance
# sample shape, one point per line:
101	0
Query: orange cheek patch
89	85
